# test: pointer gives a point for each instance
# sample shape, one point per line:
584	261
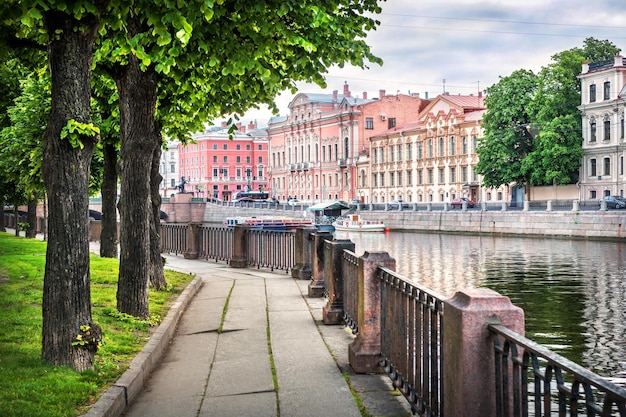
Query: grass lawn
30	388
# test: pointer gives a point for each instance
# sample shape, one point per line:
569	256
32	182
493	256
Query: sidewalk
271	327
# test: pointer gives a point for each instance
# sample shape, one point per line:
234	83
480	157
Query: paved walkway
269	322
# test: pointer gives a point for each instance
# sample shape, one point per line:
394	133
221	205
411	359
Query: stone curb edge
123	392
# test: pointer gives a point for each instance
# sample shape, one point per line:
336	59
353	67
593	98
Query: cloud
468	43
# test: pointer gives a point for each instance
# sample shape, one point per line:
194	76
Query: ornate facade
432	159
314	151
603	100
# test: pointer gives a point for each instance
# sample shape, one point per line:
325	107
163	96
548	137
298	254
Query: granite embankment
596	224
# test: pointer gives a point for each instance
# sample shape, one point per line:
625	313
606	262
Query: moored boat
355	223
266	223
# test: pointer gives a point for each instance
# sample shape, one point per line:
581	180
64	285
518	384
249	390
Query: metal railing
215	242
412	341
174	238
271	249
350	288
533	380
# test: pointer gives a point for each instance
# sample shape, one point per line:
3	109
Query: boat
326	213
355	223
267	223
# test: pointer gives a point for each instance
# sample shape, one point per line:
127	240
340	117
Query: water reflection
573	292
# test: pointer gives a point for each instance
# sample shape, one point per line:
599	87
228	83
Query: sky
467	43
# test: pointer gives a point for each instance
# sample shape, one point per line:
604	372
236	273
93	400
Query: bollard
429	206
332	313
575	205
316	286
240	246
503	206
549	205
364	351
469	365
526	205
483	206
191	251
302	255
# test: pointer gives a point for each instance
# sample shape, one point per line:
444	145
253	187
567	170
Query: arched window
346	152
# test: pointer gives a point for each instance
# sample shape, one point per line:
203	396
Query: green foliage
533	128
30	388
73	131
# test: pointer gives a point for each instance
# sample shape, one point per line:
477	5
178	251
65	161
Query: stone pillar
364	351
504	206
603	205
332	313
191	251
302	255
445	206
469	370
526	205
429	206
549	205
464	206
575	205
182	207
483	206
316	287
240	246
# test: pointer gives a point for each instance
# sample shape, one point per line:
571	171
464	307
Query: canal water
573	292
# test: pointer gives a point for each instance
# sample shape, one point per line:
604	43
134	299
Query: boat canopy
330	205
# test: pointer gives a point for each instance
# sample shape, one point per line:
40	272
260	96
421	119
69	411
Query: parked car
243	200
397	204
614	201
292	201
458	202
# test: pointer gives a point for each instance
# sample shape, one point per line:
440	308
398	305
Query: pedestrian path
273	356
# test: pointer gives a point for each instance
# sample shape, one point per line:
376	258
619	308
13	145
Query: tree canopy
532	128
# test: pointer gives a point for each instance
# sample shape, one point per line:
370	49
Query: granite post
302	255
332	313
316	287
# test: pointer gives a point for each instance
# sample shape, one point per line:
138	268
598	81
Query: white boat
354	223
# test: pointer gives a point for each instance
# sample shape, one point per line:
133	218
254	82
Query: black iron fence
533	380
215	242
412	341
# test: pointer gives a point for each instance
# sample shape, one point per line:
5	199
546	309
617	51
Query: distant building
217	167
314	150
169	169
431	159
603	99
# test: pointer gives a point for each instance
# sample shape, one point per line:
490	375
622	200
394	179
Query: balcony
343	163
292	167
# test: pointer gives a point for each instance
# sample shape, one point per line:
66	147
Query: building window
592	132
420	179
215	146
369	123
391	123
238	159
430	148
592	93
592	167
621	128
225	146
419	151
464	174
248	147
474	143
607	130
592	194
375	180
215	158
441	147
409	177
621	165
260	147
247	159
173	182
382	155
409	151
399	152
607	90
430	176
442	176
607	166
382	179
392	179
452	174
172	168
463	145
399	178
452	145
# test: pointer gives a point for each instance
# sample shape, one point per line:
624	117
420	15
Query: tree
67	31
535	137
507	140
187	63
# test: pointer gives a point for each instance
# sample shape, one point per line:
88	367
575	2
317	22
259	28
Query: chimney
364	95
480	94
426	95
346	90
381	94
335	96
252	125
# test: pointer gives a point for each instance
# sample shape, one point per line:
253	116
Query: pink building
314	150
217	167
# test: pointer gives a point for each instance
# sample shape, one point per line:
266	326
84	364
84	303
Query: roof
329	205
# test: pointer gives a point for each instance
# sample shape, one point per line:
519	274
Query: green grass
30	388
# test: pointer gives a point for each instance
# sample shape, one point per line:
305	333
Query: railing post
332	313
191	251
302	255
316	287
364	351
549	205
575	206
240	246
469	359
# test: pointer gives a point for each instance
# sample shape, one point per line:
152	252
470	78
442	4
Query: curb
123	392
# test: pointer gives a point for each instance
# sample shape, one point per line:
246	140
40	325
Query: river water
573	292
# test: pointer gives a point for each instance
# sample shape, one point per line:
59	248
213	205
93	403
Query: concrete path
273	356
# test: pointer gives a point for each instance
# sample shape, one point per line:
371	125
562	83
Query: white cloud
468	43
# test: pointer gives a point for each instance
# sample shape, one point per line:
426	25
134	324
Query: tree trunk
137	92
66	298
108	237
31	218
157	274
